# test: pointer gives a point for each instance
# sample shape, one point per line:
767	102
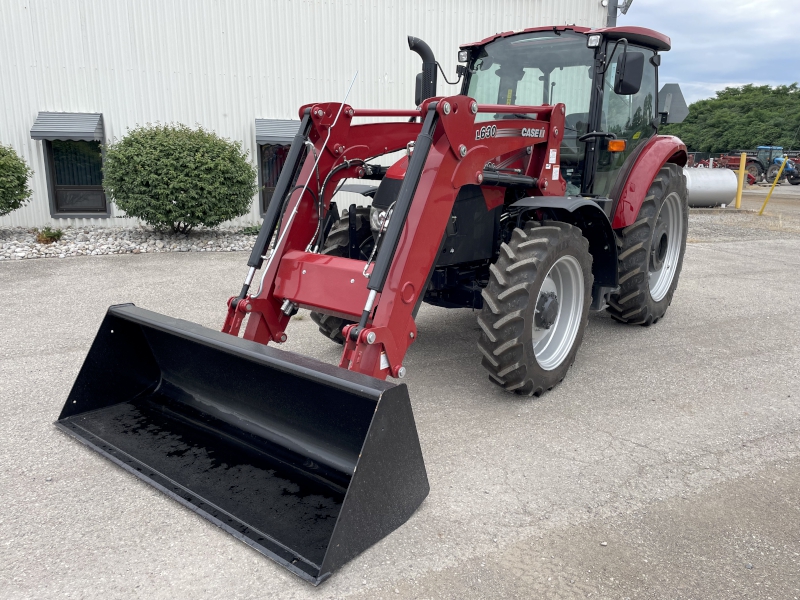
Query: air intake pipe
426	81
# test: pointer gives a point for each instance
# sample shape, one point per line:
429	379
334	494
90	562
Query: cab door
629	118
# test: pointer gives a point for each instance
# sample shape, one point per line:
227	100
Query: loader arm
451	150
346	144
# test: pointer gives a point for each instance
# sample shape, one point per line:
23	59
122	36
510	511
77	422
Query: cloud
719	43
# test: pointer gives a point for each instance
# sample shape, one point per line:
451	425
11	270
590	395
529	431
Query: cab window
628	117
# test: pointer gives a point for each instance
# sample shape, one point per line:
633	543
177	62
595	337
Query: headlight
377	217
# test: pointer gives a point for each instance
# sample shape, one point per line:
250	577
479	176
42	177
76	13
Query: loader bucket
307	463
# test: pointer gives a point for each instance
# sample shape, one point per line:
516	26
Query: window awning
276	131
68	126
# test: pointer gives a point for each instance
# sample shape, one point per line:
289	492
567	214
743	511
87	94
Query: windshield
535	69
769	152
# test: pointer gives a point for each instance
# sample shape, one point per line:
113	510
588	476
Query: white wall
222	64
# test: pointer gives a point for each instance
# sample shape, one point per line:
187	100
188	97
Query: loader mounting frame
450	151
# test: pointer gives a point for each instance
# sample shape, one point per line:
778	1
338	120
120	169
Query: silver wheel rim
665	247
564	281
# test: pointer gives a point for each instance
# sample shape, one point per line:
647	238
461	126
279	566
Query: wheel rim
665	246
559	307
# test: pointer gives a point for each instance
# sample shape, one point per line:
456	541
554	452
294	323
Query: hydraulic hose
321	202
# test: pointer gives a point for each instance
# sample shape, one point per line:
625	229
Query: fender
593	222
657	152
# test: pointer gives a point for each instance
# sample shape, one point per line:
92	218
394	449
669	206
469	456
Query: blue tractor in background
772	157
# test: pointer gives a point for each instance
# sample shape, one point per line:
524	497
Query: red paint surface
659	150
332	284
493	195
398	169
651	38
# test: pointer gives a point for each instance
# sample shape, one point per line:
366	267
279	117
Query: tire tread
507	299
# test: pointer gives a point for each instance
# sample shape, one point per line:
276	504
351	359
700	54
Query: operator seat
576	124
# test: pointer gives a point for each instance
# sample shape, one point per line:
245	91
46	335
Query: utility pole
612	13
613	7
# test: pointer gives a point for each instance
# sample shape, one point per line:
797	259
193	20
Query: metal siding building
225	64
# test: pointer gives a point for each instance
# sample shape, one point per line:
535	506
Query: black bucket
307	463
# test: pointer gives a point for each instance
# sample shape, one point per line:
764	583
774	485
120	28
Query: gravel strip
729	225
17	243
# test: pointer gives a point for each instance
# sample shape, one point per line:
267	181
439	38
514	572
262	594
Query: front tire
535	307
772	173
650	251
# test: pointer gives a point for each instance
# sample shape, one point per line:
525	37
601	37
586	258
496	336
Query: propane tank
710	187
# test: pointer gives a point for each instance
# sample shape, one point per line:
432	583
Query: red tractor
542	191
757	163
729	161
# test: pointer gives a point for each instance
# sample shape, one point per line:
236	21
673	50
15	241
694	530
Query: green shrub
14	176
178	177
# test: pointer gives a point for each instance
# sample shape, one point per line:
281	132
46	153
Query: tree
741	118
14	177
178	177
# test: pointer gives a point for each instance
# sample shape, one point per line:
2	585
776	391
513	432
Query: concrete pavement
677	445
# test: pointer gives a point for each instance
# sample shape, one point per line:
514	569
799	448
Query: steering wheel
597	134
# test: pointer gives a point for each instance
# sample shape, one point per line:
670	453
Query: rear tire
795	180
337	244
535	307
650	251
755	170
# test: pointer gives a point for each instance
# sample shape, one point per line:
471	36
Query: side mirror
418	90
630	68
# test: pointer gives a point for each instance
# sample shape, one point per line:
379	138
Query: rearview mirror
630	67
418	90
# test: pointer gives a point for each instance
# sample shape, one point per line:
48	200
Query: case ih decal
532	133
492	131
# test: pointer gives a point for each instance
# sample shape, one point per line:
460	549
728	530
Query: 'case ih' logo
534	133
486	132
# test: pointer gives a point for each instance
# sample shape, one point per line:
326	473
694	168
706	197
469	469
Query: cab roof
635	35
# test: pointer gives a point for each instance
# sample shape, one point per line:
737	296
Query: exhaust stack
426	80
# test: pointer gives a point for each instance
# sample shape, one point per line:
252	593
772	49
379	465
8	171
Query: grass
47	235
251	229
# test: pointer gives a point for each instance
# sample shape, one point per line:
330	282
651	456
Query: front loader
540	192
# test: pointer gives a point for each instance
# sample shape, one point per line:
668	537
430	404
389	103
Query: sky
720	43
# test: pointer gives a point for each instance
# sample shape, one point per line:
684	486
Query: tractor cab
767	154
606	78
